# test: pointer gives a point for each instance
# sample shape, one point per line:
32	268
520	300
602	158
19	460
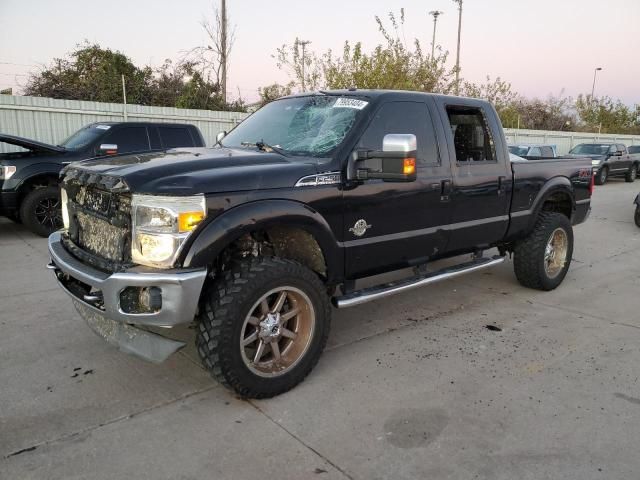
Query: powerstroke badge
360	228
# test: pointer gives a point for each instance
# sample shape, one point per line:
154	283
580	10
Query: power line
18	64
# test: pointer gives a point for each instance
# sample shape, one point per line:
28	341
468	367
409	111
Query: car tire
41	211
234	321
602	175
632	174
535	262
636	216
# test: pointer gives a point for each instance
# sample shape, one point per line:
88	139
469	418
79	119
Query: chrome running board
380	291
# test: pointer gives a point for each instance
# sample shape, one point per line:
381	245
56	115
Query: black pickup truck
29	190
254	238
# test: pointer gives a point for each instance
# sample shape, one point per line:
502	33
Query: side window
471	136
622	149
547	152
535	152
129	139
403	117
613	148
173	137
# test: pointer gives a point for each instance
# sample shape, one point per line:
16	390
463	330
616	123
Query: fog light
151	299
140	300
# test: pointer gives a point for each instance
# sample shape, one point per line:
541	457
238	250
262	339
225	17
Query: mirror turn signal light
187	221
409	166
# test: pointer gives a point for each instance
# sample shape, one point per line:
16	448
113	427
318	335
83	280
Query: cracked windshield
305	126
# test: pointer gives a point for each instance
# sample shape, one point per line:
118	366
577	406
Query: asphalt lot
414	386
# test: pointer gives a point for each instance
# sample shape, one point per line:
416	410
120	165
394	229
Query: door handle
445	190
501	180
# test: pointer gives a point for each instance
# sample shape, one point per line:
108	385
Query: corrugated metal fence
51	121
565	141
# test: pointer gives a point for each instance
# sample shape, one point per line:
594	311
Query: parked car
254	238
609	160
29	179
534	151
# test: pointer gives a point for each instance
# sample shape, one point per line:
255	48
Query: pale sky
541	46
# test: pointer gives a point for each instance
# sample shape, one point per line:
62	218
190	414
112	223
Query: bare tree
213	58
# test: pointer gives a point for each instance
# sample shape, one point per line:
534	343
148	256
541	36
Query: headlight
161	225
65	209
595	163
7	171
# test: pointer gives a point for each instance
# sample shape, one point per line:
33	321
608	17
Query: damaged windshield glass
310	126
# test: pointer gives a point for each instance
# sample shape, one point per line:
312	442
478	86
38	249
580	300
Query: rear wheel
41	211
543	258
601	177
263	326
632	174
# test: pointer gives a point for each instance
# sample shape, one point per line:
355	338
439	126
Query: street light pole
435	14
304	43
459	2
593	88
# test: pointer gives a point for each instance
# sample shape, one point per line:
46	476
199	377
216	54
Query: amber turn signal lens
409	167
187	221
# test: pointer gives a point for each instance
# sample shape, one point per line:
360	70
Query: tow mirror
108	149
396	162
220	136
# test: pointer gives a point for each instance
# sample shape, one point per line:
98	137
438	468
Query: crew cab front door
390	225
482	180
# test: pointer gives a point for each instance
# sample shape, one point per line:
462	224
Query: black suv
29	179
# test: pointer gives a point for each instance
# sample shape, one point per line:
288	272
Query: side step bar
379	291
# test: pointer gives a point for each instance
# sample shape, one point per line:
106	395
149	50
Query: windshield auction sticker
344	102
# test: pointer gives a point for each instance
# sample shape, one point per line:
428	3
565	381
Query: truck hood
201	170
32	145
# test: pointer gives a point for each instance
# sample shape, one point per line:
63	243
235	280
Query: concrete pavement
415	386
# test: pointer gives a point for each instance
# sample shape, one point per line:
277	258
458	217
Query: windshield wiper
265	147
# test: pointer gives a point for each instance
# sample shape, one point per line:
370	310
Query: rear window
173	137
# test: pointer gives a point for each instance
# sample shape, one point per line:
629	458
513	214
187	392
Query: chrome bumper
180	295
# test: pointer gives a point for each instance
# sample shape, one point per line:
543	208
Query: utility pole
459	2
593	88
436	14
124	99
304	43
223	48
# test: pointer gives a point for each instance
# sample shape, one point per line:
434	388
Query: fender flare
553	186
259	215
36	170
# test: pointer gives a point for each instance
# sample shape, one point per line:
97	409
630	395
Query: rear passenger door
391	225
482	181
175	136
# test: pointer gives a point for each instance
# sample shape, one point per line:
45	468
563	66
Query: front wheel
632	174
543	258
263	325
41	211
636	217
601	177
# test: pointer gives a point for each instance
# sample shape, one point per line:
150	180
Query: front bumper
97	297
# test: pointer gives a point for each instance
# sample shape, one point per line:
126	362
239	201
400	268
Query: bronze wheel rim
555	254
277	332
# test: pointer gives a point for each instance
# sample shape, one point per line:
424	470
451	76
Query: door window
173	137
471	135
129	139
408	118
535	152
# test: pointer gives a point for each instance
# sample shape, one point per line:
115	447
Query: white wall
51	121
566	140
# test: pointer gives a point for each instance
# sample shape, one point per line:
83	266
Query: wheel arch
557	195
295	230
